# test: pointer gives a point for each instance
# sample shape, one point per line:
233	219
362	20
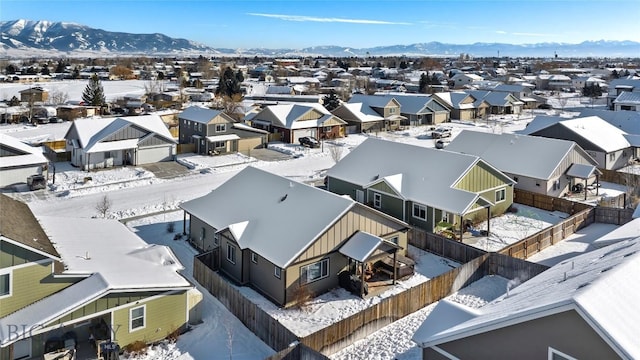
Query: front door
22	349
360	196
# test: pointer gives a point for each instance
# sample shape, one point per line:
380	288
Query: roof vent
376	177
284	198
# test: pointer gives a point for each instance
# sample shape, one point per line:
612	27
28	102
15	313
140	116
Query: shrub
301	297
137	347
174	335
171	227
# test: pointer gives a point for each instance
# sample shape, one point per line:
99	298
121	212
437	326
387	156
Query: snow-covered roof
509	152
598	132
88	246
627	121
91	131
34	316
428	175
598	285
199	114
283	217
225	137
361	112
455	98
628	97
538	123
112	146
28	155
288	115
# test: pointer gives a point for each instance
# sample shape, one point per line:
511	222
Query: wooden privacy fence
547	202
442	246
357	326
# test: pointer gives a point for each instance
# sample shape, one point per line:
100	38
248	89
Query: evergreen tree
14	101
10	69
239	76
424	83
61	67
614	74
228	84
94	93
331	101
45	70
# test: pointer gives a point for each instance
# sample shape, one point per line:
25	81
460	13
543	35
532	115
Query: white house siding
155	154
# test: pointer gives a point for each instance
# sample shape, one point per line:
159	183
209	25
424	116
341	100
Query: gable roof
199	114
597	285
358	112
424	175
628	97
372	100
627	121
19	225
92	131
125	261
289	115
507	152
26	155
454	99
283	217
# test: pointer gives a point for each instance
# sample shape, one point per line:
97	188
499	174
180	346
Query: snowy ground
137	194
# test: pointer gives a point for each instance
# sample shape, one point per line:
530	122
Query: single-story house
421	186
278	236
130	140
18	161
420	109
84	279
558	166
462	106
584	307
607	144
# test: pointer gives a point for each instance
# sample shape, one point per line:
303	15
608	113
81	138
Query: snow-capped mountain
22	38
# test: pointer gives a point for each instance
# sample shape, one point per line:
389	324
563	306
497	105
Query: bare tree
103	206
562	100
57	97
336	152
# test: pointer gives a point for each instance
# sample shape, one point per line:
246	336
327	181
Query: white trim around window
254	257
377	200
314	272
137	318
554	354
6	283
277	272
419	211
501	195
231	253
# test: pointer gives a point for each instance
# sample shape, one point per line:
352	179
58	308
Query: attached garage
149	155
298	133
248	144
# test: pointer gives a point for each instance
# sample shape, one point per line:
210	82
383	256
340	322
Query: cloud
500	32
302	18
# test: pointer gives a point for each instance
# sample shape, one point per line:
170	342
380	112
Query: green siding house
98	281
421	186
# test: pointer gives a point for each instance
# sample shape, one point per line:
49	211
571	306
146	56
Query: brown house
279	236
34	94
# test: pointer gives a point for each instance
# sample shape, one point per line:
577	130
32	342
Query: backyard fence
358	326
443	246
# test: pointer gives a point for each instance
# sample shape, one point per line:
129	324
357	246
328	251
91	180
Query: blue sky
352	23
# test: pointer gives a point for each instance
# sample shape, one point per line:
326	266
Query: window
392	110
327	129
199	127
231	253
612	156
221	127
277	272
554	354
445	217
136	316
254	258
315	271
202	233
219	144
5	284
107	154
501	195
394	240
216	239
377	200
420	211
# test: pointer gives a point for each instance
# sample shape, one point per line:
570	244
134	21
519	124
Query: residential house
462	106
277	235
421	186
85	278
73	112
18	161
420	109
461	80
359	117
34	94
293	121
387	107
552	82
523	93
559	164
627	101
607	144
584	307
500	103
619	86
130	140
580	82
214	132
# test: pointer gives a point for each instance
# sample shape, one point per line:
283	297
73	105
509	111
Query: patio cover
113	146
226	137
582	171
362	245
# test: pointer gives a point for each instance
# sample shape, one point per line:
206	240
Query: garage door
297	134
246	145
154	155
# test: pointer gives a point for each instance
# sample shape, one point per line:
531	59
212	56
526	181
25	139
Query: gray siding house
18	161
422	186
582	308
279	236
558	165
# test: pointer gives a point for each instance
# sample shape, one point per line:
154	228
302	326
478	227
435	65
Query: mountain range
27	38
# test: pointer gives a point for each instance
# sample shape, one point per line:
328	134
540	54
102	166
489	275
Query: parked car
441	143
441	132
309	141
36	182
544	106
55	119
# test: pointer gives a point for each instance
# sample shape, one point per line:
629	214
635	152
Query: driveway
269	155
166	170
